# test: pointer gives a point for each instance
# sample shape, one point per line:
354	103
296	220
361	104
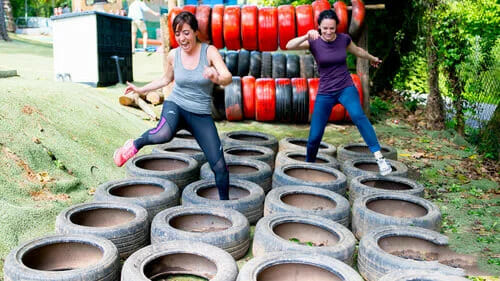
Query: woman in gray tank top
195	66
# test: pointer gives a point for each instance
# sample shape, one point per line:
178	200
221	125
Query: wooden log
154	97
370	7
135	100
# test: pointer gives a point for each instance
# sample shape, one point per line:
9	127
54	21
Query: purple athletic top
332	65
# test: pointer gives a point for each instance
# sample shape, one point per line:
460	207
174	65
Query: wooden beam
371	7
363	70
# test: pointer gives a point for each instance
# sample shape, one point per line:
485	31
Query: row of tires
268	99
269	64
263	28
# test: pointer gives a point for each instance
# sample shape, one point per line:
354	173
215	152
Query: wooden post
363	70
165	36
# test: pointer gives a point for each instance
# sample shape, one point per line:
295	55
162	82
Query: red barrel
341	11
286	24
217	23
318	7
305	19
231	27
265	99
249	27
248	92
268	29
203	18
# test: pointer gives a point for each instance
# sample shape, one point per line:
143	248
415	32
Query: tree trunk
363	70
3	28
457	100
11	26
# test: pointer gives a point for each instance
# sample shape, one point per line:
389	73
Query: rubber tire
365	219
292	65
287	143
223	54
337	114
189	8
170	18
286	25
257	265
341	10
153	203
265	99
338	185
232	62
300	102
268	29
231	27
248	96
203	15
357	19
127	237
107	269
249	26
266	240
313	85
255	64
262	176
305	19
267	140
357	188
251	206
183	136
243	63
306	66
350	169
267	155
217	26
344	154
373	262
233	100
319	6
283	100
266	69
217	105
339	214
285	157
181	177
412	275
173	147
279	65
235	240
134	265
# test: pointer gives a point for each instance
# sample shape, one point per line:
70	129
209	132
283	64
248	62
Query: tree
3	28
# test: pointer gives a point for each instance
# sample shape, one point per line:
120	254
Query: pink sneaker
124	153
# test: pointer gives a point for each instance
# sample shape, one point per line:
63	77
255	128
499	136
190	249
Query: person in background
136	12
335	84
66	9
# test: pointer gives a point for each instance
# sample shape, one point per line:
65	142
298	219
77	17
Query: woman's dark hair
185	17
327	14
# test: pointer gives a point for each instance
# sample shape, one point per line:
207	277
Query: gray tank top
192	92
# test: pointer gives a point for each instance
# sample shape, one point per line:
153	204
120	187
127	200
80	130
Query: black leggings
174	118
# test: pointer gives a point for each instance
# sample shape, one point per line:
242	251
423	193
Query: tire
145	165
410	275
384	209
231	27
243	63
183	137
189	8
232	62
45	259
265	99
182	257
171	15
313	85
371	184
308	201
124	224
283	100
153	194
291	143
249	138
268	29
279	65
248	92
203	13
360	150
306	63
218	107
341	11
319	6
357	19
233	100
296	266
266	69
300	103
374	262
253	170
249	26
368	167
357	83
273	234
299	156
286	24
255	64
337	114
329	178
305	19
256	152
217	26
234	237
292	66
245	197
223	54
191	149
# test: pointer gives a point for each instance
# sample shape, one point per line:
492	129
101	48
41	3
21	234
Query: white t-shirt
136	10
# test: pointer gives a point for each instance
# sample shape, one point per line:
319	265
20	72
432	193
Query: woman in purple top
335	84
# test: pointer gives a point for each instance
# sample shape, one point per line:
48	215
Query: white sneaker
384	166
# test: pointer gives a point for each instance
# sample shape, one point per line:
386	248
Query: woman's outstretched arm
361	53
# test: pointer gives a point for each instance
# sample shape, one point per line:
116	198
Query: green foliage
412	75
379	108
37	8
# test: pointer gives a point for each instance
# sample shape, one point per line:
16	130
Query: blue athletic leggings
323	105
174	118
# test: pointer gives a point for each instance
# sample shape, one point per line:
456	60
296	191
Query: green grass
57	140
